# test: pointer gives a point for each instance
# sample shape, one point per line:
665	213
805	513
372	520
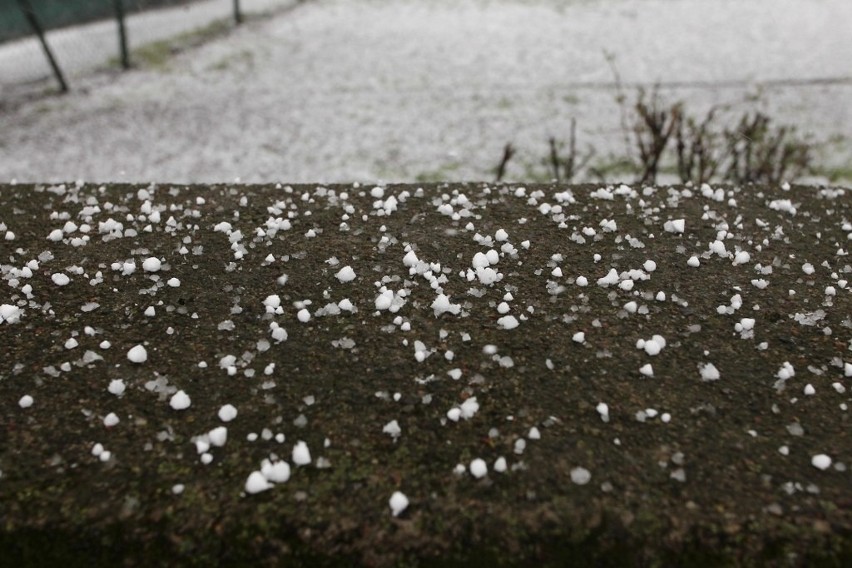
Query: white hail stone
478	468
603	409
442	305
137	354
151	264
345	274
742	257
10	313
301	453
256	483
500	465
821	461
60	279
398	503
384	300
786	371
218	436
392	429
278	472
469	407
180	401
654	345
227	413
116	387
709	372
580	475
609	279
675	226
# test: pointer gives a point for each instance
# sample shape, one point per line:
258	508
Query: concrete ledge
679	468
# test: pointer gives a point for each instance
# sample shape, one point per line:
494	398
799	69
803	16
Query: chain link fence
54	14
51	41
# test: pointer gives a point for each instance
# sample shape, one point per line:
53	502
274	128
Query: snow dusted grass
356	356
343	90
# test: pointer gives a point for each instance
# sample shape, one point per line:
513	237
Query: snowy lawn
431	90
388	373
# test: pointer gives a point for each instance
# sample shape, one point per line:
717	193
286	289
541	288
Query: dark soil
709	487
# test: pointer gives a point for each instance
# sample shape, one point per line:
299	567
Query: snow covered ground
411	90
82	49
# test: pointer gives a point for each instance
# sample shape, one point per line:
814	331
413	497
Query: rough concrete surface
723	437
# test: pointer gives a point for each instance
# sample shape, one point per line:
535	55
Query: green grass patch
836	174
243	58
438	175
157	54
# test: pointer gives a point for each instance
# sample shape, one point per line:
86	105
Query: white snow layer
412	106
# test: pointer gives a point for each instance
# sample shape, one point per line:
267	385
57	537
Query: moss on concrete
60	504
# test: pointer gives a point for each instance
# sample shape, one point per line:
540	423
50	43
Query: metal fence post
27	10
122	33
238	15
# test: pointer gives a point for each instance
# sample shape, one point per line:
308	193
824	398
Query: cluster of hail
87	217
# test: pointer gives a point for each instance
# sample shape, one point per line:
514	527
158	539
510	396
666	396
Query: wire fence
53	14
53	40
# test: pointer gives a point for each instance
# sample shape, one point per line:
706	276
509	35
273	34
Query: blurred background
720	91
59	13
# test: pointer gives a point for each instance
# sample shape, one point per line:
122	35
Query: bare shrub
759	153
653	128
565	168
508	152
698	149
753	151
